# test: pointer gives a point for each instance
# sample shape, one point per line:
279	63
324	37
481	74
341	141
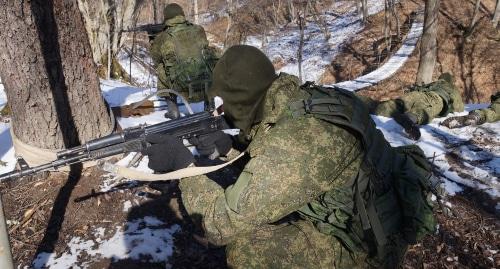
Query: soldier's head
171	11
447	77
241	78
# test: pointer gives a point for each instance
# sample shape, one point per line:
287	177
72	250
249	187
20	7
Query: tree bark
428	45
496	16
364	7
49	75
475	15
196	12
301	44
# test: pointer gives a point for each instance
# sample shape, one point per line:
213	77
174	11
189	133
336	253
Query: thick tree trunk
428	46
49	75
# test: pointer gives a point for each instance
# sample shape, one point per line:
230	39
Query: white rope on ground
392	65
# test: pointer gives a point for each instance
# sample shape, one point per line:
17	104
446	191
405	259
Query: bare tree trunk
155	11
428	45
291	9
475	15
301	45
396	18
49	75
196	12
387	26
276	12
229	22
496	16
364	6
104	21
318	19
359	8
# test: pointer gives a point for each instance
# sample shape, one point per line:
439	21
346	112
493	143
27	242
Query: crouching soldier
320	187
182	58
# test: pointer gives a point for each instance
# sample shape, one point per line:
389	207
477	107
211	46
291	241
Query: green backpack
388	197
194	61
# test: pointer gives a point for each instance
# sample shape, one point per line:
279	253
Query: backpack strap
374	179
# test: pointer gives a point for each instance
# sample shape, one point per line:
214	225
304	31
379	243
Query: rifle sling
178	174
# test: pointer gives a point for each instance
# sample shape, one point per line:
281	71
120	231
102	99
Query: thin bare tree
428	45
496	16
475	15
301	24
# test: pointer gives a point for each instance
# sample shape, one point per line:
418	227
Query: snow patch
146	239
127	205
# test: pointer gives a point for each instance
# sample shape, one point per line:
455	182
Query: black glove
213	144
167	153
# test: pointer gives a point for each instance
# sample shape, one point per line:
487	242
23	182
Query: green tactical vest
193	64
388	195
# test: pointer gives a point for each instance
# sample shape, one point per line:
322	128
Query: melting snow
147	239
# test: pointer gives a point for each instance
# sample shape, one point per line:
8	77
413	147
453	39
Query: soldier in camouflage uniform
421	104
182	57
478	116
321	187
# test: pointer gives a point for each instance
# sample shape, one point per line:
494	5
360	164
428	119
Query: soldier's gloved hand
167	153
212	145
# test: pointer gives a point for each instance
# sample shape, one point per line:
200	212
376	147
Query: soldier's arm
290	166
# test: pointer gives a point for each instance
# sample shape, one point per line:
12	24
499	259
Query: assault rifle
151	29
129	140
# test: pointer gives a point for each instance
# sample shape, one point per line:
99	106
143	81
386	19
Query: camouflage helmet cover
172	10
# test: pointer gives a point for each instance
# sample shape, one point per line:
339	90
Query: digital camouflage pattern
295	163
492	112
426	102
183	59
478	116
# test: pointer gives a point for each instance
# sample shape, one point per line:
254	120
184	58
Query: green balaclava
241	78
171	11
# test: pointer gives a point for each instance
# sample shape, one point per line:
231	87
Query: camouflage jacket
452	100
293	161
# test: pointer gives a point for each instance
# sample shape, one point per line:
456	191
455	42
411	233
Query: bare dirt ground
49	212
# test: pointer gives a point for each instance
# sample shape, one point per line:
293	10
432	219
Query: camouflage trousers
194	93
424	105
292	245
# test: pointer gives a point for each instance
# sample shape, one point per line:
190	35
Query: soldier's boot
409	123
173	109
454	122
474	118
